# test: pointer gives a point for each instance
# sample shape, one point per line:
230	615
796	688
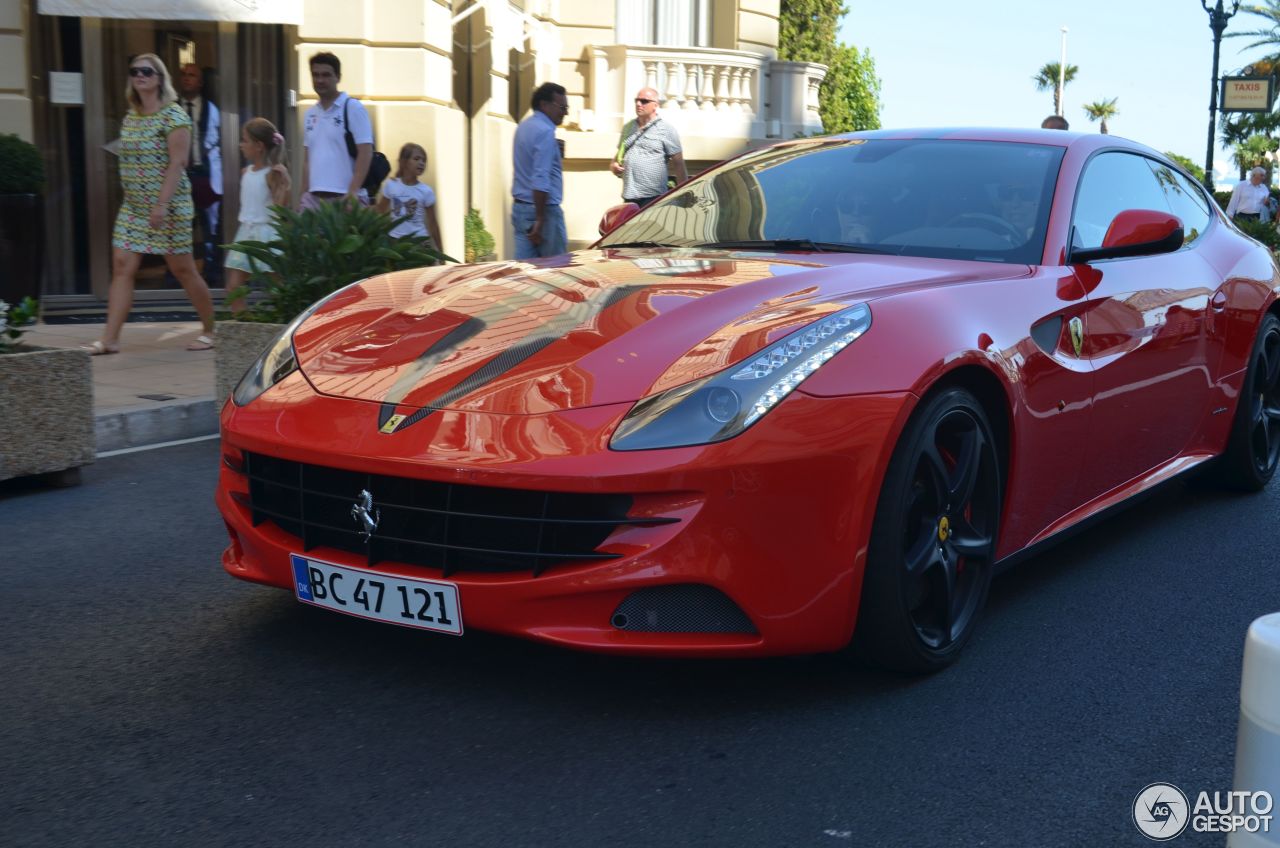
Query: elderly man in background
649	153
1249	196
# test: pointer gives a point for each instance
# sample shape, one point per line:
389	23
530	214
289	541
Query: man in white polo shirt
330	171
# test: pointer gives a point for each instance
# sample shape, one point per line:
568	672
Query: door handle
1218	303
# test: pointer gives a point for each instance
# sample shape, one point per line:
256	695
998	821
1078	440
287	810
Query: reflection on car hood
590	328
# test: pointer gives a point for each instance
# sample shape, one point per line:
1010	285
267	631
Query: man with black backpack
338	160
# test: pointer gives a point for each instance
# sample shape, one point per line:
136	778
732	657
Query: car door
1143	331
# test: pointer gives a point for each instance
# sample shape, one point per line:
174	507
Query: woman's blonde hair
405	153
167	92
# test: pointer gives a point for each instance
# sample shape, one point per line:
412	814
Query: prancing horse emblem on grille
365	515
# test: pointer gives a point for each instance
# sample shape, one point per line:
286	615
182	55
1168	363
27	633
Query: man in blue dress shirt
538	186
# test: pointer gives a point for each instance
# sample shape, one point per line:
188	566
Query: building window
666	23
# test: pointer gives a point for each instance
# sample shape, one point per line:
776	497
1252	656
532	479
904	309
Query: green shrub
478	240
1265	233
21	168
319	251
14	321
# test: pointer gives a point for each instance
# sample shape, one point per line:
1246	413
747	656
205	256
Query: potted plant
46	404
21	219
315	252
478	240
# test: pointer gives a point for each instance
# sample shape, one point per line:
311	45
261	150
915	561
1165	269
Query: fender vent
682	608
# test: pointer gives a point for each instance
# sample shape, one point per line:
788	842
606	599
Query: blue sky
970	63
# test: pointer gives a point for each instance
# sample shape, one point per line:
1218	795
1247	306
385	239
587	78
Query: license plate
407	601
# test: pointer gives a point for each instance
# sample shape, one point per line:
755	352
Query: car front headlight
278	361
722	405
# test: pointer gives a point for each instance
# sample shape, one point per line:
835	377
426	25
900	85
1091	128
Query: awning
239	11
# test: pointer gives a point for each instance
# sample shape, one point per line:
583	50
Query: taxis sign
1248	94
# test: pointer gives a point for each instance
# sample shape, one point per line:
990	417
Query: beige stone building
454	77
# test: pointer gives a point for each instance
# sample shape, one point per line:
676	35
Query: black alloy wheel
933	544
1253	451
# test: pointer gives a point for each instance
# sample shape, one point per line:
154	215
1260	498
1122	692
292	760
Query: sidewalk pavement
153	390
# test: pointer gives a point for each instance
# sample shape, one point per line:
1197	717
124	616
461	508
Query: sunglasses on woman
142	71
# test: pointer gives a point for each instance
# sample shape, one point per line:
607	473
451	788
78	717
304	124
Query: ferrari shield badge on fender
391	424
363	513
1077	334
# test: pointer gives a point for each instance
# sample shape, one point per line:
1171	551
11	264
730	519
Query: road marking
159	445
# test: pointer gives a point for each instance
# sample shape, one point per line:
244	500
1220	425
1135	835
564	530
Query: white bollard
1258	739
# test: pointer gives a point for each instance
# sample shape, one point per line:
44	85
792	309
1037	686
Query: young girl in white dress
263	183
404	195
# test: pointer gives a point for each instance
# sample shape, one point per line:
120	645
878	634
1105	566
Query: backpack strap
635	136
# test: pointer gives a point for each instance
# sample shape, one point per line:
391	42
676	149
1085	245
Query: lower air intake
683	608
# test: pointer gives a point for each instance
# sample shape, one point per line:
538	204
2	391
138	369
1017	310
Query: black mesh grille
682	608
448	526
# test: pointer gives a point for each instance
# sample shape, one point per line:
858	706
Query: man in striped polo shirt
649	153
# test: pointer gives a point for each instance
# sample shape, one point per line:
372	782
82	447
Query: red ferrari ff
813	398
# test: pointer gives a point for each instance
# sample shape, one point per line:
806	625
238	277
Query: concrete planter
46	414
240	343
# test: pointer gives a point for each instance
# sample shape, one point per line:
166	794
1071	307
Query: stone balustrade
703	91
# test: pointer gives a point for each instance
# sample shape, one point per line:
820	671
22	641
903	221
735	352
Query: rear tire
933	542
1253	451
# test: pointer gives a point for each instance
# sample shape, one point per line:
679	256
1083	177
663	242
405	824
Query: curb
133	428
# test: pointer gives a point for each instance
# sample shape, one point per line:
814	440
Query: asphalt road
146	698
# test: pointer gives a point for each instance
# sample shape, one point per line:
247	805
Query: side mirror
1134	232
616	216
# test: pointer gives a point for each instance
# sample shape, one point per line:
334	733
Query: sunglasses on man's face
644	102
142	71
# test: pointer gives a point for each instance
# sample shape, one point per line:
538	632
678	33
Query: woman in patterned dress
156	214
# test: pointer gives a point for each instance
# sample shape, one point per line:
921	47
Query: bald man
649	153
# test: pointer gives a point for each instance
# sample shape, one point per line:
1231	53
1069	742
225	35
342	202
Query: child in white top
264	182
403	195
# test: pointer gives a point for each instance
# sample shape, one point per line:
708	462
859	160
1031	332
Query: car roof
1055	138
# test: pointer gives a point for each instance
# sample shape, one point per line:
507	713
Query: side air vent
682	608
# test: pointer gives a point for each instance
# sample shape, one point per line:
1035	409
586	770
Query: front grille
448	526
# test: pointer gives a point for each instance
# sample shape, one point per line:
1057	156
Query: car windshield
945	198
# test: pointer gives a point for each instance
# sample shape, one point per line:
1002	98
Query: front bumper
776	519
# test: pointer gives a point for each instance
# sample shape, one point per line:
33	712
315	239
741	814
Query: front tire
1253	450
929	564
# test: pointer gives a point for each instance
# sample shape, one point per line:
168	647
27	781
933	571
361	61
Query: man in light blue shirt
538	186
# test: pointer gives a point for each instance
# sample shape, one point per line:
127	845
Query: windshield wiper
792	244
642	244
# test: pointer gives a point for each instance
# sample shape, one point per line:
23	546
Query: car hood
591	328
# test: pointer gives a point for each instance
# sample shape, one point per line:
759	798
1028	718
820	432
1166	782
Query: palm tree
1267	35
1254	151
1101	110
1047	79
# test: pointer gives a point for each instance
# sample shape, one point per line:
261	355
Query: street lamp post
1062	72
1218	18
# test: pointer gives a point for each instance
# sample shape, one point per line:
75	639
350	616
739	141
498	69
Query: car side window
1185	200
1112	183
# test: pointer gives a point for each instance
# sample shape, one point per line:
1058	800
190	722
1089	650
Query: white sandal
98	348
202	342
